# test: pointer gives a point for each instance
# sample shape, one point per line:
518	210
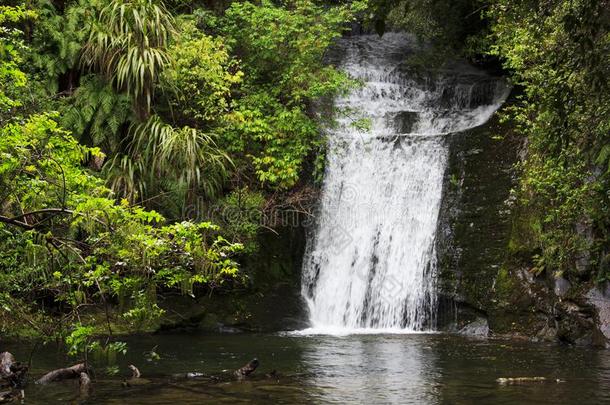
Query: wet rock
12	373
547	334
561	287
585	231
6	361
599	298
478	328
222	328
473	233
576	323
403	121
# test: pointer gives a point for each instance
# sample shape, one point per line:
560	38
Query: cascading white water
371	262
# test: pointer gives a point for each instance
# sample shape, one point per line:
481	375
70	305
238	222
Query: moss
524	234
504	287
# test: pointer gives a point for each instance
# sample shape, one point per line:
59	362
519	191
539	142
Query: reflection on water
372	369
361	369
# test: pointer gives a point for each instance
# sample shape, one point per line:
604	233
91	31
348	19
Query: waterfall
371	261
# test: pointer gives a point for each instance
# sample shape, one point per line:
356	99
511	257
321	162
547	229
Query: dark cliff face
481	278
474	221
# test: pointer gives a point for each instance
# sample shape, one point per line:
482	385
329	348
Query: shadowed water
361	369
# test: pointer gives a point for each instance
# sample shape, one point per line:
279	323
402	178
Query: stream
319	369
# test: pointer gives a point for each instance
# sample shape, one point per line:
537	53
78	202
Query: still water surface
360	369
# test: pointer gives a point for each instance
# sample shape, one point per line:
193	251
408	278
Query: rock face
600	299
481	275
474	226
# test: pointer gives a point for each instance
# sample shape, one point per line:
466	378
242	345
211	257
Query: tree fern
59	37
97	113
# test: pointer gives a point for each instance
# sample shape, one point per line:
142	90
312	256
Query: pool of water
365	369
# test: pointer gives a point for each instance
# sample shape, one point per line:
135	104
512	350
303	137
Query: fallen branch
55	211
11	221
63	374
10	396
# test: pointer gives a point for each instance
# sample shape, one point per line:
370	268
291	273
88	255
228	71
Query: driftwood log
247	369
63	374
520	380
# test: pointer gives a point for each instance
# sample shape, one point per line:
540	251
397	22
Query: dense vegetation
127	127
559	53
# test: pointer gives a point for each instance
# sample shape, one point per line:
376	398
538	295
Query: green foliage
284	46
128	43
79	340
68	242
449	25
59	37
202	77
240	214
96	114
282	50
276	138
185	113
12	79
559	55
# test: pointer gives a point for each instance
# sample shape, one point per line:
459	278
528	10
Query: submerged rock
222	328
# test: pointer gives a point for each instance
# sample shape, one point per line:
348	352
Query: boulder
478	328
